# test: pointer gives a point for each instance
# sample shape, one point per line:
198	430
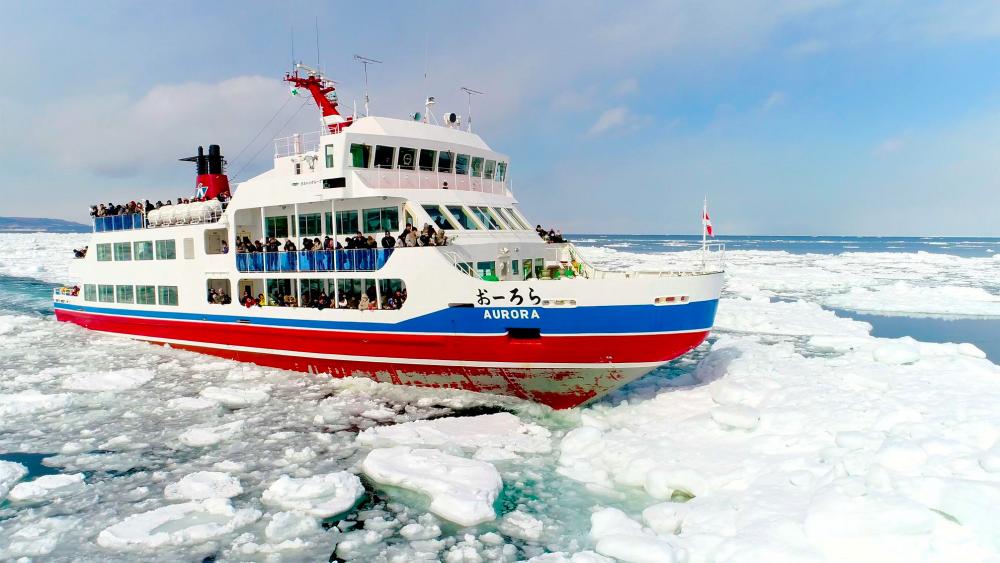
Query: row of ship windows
429	160
138	294
138	250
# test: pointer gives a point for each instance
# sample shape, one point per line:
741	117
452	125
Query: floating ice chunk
190	403
500	430
971	350
380	414
200	437
234	398
736	416
38	538
120	380
420	531
29	402
663	481
461	490
578	557
320	495
905	298
10	473
896	352
203	485
618	536
521	525
665	518
177	524
793	318
290	525
47	486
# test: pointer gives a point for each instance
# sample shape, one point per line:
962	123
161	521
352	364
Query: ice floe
461	490
204	485
10	473
177	524
500	431
321	496
45	487
108	380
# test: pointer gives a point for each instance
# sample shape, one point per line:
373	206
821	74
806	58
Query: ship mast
324	94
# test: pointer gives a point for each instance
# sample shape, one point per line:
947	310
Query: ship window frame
491	269
162	248
389	284
329	154
527	268
499	218
307	220
433	160
123	251
124	294
477	167
462	164
489	169
274	283
365	153
271	226
485	218
145	295
382	219
451	161
357	222
469	219
413	158
443	213
375	157
167	295
142	250
104	252
90	292
106	293
501	174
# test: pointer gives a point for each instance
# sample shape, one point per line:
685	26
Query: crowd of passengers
144	207
428	236
550	235
366	301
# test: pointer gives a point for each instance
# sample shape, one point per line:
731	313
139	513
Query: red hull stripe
435	349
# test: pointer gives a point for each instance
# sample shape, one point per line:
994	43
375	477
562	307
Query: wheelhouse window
381	219
123	252
501	171
477	167
463	217
446	159
104	252
427	159
125	294
347	222
145	294
168	294
89	292
276	227
485	218
512	219
361	155
486	270
166	249
440	219
309	225
407	158
384	156
499	219
462	164
490	170
143	249
329	156
106	293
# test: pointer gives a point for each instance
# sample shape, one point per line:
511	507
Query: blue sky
792	117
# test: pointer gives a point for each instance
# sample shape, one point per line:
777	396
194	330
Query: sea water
844	409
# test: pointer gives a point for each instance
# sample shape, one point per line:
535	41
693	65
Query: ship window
407	158
518	218
104	252
477	166
168	294
276	227
309	225
328	223
487	270
527	268
384	156
485	218
278	291
143	249
123	252
125	294
463	217
427	159
298	168
347	222
166	249
539	267
329	156
309	291
145	294
360	155
106	293
501	171
89	292
500	219
446	160
381	219
352	290
491	166
462	164
392	293
439	218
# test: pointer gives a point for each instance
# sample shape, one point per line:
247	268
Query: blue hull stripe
612	319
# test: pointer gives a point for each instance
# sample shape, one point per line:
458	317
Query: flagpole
704	232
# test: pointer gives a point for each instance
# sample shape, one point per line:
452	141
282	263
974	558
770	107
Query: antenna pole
365	61
317	44
470	92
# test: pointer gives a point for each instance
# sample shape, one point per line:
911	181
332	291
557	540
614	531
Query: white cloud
610	119
776	99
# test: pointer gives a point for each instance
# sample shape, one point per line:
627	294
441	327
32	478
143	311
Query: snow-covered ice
108	380
321	496
461	490
10	473
500	431
45	487
202	485
177	524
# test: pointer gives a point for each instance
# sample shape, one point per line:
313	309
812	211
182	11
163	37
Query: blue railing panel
137	221
307	261
352	260
287	261
271	262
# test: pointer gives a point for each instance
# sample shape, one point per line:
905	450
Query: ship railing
417	179
297	144
135	221
65	291
691	260
345	260
127	222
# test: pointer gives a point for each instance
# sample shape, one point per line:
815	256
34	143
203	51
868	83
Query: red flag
707	222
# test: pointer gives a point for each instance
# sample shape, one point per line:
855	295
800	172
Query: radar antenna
471	93
365	61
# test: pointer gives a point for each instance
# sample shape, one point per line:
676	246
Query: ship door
503	267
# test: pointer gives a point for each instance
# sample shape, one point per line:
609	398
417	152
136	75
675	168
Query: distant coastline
40	225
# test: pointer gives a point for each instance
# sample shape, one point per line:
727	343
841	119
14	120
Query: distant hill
38	224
